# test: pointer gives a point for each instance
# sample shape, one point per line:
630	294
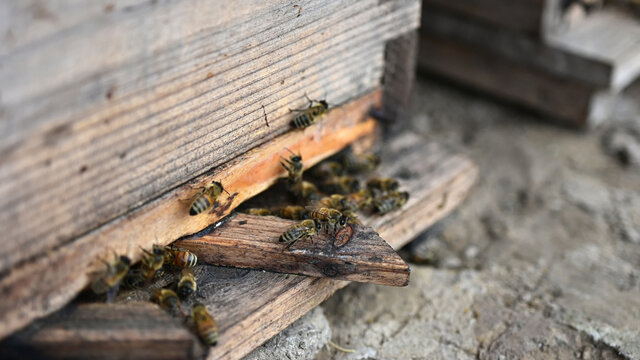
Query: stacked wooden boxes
113	113
526	52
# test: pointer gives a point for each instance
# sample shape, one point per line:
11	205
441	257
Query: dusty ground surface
541	262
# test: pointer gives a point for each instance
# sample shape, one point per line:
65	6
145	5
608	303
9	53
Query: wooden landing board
252	242
43	285
252	306
135	99
136	330
609	36
562	98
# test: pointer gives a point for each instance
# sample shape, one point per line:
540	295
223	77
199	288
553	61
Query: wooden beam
44	284
247	241
562	98
90	331
252	306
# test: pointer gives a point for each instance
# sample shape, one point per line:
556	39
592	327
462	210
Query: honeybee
341	185
328	217
294	212
187	284
152	262
383	184
351	217
327	169
259	212
109	281
361	199
205	199
294	167
336	201
310	115
306	191
167	299
180	257
360	163
307	228
206	326
391	201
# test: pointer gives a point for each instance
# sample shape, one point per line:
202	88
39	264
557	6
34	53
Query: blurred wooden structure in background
527	52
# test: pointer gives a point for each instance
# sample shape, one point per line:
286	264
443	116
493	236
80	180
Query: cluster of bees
152	265
336	212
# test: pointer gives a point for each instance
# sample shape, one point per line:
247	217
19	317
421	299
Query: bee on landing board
328	217
294	212
204	200
109	281
336	201
152	262
361	199
187	284
307	228
360	163
383	184
205	324
259	212
310	115
180	257
340	185
391	202
167	299
305	191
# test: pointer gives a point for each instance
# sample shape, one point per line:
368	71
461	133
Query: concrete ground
541	262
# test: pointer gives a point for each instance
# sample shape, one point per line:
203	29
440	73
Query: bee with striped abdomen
305	191
259	212
180	257
187	284
294	212
205	325
391	202
307	228
167	299
328	217
152	261
341	185
205	199
336	201
327	169
383	184
310	115
361	199
294	167
360	163
109	281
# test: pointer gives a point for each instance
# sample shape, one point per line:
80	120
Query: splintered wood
252	242
252	306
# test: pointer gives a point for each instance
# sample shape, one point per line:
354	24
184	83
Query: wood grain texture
523	16
251	242
107	110
134	330
252	306
562	98
517	47
38	287
399	75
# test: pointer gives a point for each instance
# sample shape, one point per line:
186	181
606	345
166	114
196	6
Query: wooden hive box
112	113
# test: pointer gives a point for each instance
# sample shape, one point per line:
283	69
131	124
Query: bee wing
113	292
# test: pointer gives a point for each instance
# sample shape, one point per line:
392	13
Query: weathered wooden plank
85	167
133	330
251	242
252	306
521	48
611	37
37	287
516	15
564	99
399	74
